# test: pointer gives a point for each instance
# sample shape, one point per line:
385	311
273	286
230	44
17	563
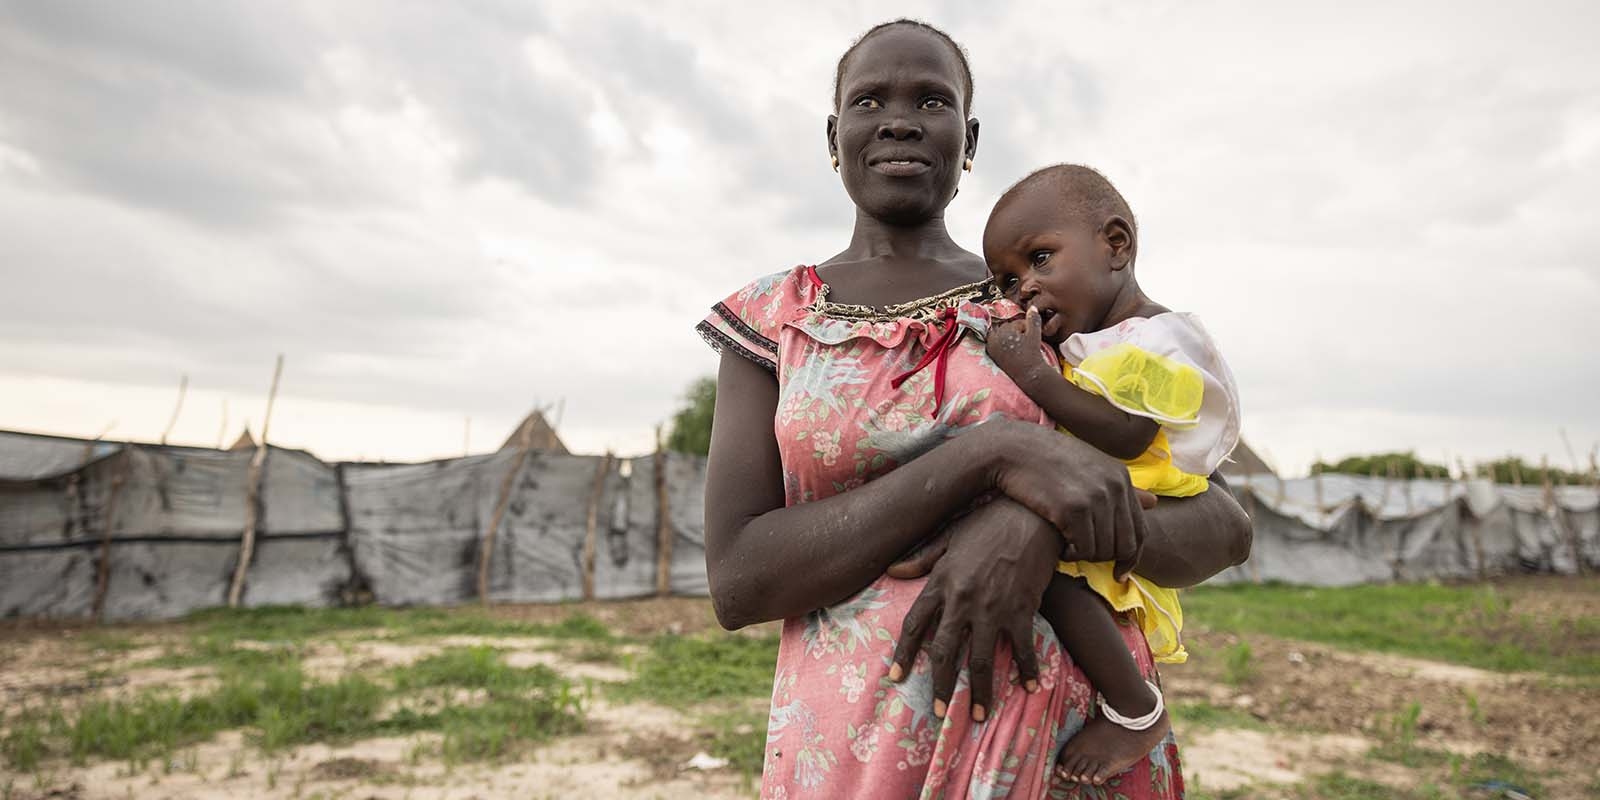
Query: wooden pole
1477	530
102	582
1516	471
486	542
252	495
591	525
183	389
663	523
1316	481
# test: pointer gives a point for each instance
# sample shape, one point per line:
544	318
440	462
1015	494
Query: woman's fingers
1138	531
980	670
944	659
1027	661
1126	554
922	617
1147	500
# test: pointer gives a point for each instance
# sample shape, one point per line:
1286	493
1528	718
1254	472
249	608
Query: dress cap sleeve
747	321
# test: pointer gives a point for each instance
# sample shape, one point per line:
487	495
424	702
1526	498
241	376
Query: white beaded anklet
1141	723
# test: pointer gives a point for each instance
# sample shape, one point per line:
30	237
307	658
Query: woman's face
902	132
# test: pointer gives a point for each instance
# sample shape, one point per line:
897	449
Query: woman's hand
999	560
1084	493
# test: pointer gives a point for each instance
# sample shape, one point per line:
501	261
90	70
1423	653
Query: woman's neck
876	240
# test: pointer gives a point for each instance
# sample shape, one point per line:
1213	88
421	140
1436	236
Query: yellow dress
1172	392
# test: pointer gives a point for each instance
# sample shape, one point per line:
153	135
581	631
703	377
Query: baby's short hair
1083	193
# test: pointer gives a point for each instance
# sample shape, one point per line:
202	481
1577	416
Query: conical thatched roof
1245	461
540	434
244	442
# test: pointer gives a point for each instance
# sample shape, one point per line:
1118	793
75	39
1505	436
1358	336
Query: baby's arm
1015	347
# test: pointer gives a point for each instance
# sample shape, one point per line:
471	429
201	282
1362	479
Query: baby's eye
868	102
1037	258
1008	284
933	103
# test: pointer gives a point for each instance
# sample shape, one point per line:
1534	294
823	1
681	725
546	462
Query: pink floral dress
862	391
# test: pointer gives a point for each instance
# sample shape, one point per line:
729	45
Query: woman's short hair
961	55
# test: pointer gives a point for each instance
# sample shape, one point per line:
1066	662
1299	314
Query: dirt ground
1305	710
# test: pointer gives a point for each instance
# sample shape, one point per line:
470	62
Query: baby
1139	382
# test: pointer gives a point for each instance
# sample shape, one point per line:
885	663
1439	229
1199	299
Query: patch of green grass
577	626
224	653
1488	767
682	670
1338	785
1399	743
1206	715
1472	625
1238	665
471	668
28	735
283	707
284	623
291	711
740	737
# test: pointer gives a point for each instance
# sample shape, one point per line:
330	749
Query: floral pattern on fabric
838	727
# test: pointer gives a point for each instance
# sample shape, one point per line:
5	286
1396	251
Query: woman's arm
1189	539
765	561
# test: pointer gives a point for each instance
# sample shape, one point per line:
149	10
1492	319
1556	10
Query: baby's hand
1015	344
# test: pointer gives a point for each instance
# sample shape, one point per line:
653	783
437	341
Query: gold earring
967	165
835	163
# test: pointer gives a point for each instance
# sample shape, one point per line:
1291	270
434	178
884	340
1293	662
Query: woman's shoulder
747	321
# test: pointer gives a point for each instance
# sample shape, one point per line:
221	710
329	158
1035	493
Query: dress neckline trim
922	309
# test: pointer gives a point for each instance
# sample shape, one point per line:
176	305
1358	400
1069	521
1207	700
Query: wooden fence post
102	581
486	542
663	523
252	496
591	524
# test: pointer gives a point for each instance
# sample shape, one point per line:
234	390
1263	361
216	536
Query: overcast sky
1387	215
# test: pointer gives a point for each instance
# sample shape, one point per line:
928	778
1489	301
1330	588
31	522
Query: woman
834	451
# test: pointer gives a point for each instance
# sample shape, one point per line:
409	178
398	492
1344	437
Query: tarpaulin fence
1335	530
154	532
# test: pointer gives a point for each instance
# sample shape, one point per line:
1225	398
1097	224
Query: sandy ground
1315	709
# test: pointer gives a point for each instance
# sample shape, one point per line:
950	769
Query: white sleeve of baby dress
1198	447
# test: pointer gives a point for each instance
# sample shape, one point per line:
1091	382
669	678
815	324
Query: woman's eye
867	102
1038	257
933	103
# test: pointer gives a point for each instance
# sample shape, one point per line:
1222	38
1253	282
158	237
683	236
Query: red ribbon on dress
937	355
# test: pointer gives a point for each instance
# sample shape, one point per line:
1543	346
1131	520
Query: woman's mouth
899	167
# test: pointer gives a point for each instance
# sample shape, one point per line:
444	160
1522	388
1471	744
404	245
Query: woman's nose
900	128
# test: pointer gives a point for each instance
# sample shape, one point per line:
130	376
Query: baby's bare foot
1103	749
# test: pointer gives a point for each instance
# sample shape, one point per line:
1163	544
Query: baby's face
1043	259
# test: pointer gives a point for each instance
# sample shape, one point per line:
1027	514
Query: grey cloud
220	113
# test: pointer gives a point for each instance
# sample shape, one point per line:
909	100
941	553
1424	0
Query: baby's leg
1083	623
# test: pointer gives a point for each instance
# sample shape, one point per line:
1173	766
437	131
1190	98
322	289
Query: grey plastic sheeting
410	534
176	525
1374	529
415	529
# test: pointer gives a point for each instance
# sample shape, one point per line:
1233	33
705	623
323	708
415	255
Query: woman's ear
833	135
1120	240
972	137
